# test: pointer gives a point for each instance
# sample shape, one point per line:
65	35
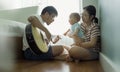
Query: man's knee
57	50
60	49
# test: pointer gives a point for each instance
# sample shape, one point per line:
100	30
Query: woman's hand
78	44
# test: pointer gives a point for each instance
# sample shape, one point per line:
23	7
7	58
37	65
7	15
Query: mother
88	49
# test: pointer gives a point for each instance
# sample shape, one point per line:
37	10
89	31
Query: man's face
49	18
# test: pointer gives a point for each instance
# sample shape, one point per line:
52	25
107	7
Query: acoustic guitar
35	40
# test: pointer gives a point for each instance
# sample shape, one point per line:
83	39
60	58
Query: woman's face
86	17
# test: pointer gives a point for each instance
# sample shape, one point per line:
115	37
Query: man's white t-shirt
25	43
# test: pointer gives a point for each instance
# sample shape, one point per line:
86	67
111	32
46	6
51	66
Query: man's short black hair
50	10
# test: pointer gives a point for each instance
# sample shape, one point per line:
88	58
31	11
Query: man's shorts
30	55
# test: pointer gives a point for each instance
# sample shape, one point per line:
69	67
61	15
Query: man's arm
36	23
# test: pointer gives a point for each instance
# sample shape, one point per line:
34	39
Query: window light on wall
64	7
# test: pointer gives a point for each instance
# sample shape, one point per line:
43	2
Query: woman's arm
35	22
88	44
78	39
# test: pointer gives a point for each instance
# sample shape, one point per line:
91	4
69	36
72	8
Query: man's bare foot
61	57
66	47
68	58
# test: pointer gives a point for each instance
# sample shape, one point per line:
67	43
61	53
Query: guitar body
35	40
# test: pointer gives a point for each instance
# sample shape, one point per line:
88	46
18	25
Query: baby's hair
76	15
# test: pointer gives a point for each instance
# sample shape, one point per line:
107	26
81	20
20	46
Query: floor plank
57	66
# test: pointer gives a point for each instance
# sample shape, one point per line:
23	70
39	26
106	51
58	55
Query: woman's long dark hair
92	11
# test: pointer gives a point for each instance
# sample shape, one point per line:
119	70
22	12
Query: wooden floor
57	66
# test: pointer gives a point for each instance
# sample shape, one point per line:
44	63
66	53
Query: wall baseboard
107	64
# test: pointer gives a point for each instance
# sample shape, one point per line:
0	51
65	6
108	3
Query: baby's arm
66	32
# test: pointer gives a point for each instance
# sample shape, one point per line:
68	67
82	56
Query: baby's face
72	20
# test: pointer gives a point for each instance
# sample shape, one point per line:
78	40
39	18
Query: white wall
19	14
110	33
10	4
